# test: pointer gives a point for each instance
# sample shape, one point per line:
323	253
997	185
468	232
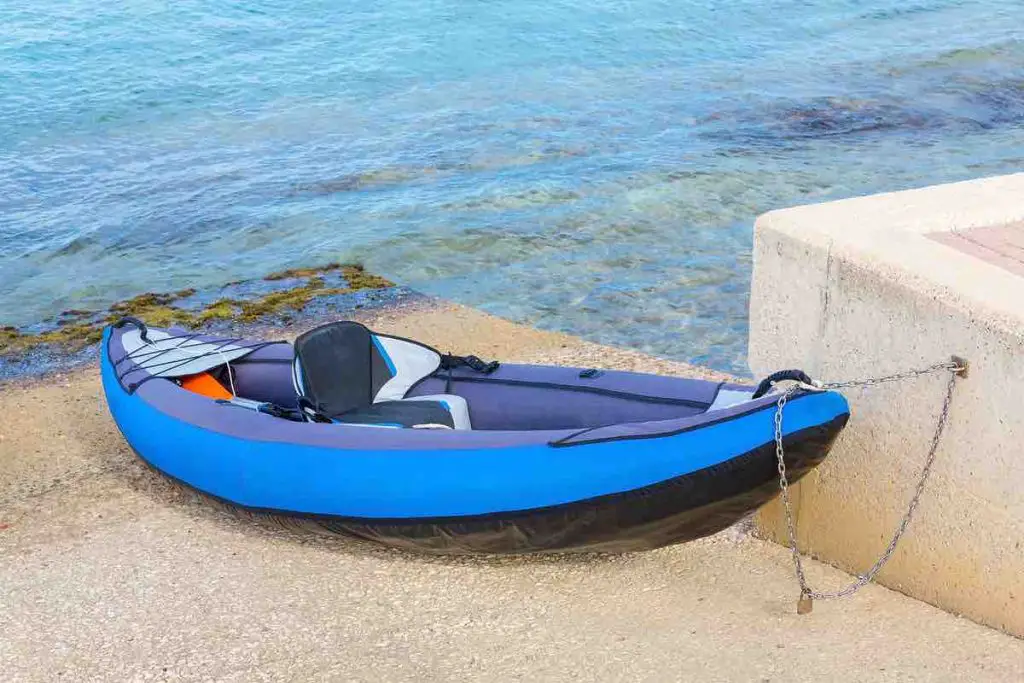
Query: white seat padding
360	375
407	361
456	405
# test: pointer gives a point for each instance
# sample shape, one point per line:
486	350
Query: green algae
305	272
72	336
221	309
75	329
7	335
358	278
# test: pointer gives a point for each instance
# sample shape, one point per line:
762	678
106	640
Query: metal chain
807	594
953	366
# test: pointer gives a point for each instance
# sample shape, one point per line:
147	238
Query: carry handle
129	320
781	376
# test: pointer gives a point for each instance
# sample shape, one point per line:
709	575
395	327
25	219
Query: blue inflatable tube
557	458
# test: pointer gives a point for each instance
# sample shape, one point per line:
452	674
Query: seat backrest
343	366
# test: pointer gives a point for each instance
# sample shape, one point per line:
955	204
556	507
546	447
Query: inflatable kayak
386	439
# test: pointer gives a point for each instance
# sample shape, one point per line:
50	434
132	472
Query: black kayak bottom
678	510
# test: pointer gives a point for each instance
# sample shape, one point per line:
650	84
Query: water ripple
591	168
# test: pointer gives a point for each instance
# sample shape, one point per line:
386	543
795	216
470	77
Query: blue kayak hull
621	487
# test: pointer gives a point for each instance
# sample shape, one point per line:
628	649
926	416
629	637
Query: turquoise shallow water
591	166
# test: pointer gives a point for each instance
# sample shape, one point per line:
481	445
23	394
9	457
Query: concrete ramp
110	573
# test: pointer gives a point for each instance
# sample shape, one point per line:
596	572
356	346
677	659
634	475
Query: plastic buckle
480	366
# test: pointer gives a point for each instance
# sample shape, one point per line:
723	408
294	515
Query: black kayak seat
352	375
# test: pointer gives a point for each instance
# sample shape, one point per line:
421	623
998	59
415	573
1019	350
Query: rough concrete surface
861	288
108	572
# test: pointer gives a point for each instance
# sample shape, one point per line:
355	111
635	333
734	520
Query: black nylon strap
781	376
129	320
449	362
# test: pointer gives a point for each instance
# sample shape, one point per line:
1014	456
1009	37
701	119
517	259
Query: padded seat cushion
335	368
455	406
357	376
343	366
439	411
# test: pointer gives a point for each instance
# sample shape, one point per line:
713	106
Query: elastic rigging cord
146	352
156	370
174	362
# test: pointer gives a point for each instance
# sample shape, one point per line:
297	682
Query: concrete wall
865	287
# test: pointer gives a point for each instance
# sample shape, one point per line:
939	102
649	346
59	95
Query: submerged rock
948	100
824	117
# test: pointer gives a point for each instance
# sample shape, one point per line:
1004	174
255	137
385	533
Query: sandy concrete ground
108	572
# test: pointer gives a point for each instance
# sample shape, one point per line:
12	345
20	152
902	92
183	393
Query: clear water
593	167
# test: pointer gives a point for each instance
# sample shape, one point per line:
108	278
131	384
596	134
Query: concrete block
874	285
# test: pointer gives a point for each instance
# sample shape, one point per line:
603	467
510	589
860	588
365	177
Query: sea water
593	167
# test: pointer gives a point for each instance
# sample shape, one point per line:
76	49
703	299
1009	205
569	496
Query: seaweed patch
281	295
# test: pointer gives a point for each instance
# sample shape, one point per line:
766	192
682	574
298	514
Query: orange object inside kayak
206	384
